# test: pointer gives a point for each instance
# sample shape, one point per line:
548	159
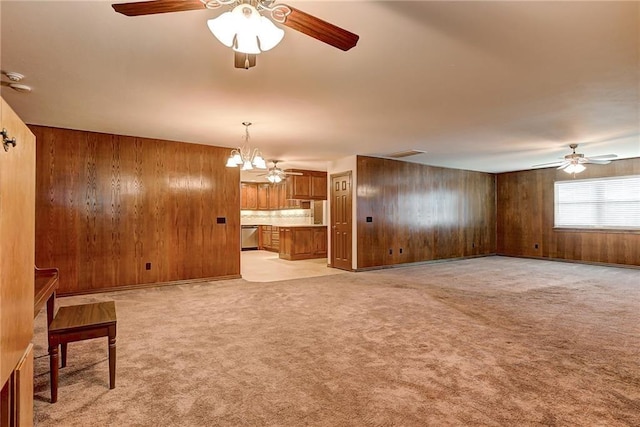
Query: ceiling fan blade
603	157
244	60
157	6
597	161
320	30
547	164
564	165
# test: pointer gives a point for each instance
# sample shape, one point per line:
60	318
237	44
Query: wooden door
17	241
341	221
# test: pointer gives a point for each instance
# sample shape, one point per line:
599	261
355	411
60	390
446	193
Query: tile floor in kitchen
265	266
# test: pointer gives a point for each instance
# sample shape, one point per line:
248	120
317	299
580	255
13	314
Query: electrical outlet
535	246
400	250
147	266
390	251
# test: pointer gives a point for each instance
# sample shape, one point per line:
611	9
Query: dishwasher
249	237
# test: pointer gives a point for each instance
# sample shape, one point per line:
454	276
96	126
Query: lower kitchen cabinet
303	242
270	238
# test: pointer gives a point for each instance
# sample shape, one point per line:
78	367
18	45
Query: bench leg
53	372
112	357
63	353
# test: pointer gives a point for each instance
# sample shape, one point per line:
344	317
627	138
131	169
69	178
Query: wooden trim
150	285
574	261
418	263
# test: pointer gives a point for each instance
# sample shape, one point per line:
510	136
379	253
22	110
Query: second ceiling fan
245	28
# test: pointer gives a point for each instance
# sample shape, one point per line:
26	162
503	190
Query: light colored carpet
481	342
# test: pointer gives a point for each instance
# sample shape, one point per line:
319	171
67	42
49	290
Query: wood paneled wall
525	219
106	205
427	212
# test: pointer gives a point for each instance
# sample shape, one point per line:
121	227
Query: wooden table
46	284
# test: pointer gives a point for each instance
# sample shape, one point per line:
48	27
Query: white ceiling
488	86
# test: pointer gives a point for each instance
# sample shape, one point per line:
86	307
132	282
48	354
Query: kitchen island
303	242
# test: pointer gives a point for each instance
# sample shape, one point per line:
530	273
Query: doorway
341	221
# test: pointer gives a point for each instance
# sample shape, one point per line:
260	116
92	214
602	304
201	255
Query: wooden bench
77	323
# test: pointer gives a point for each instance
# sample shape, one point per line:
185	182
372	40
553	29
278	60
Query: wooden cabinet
265	237
263	196
302	242
248	196
310	185
17	259
275	238
270	238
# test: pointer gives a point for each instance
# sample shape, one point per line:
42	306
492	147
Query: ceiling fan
245	29
574	162
276	175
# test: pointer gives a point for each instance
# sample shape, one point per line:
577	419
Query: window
603	203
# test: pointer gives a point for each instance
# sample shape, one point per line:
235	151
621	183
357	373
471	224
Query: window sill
598	230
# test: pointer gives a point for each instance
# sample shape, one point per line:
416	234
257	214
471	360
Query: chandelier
244	156
244	29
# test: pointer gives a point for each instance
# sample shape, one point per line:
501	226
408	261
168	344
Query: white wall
339	166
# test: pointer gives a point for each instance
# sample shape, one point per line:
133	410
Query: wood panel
17	234
108	205
24	390
525	219
17	211
420	213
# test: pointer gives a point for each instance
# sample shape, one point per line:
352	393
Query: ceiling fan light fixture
231	163
269	35
245	30
574	168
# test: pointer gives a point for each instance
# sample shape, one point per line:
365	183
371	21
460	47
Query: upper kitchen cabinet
311	185
248	196
263	196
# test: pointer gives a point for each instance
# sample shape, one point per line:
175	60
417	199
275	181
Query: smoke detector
13	76
20	88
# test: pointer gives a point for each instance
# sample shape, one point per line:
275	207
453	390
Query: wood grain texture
17	211
157	6
422	213
303	242
341	220
109	204
526	218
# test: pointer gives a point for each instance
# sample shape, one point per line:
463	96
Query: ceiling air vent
407	153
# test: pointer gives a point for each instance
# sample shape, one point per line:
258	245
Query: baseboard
574	261
148	285
426	262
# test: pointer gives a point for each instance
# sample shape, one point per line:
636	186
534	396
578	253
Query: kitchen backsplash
277	217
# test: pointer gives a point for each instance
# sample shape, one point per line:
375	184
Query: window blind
598	203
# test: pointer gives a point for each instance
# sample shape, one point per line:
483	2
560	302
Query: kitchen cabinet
17	260
310	185
303	242
265	237
248	196
270	238
263	196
